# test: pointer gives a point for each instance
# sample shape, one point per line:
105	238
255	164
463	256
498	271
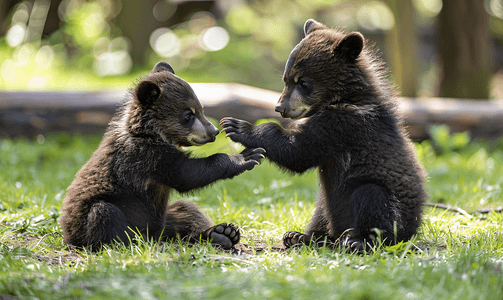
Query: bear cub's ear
312	25
350	46
162	66
147	92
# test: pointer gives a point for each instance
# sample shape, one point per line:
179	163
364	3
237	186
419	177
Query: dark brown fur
124	187
370	182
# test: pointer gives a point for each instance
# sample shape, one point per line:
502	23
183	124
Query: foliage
459	257
462	172
259	34
446	142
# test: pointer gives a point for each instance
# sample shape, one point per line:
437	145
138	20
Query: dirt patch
58	259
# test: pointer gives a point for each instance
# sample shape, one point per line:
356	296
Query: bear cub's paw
237	130
252	156
223	235
353	244
247	159
294	239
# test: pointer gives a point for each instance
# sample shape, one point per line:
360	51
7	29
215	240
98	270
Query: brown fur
124	187
370	182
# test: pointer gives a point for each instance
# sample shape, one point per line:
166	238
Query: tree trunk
136	22
53	22
401	41
5	11
464	49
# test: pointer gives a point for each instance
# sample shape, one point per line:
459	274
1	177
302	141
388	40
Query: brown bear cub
371	185
124	188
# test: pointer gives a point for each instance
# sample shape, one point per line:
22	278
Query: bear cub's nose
279	109
213	133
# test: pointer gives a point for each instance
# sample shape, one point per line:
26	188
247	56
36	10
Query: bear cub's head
165	106
324	69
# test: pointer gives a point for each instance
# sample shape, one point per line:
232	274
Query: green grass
461	257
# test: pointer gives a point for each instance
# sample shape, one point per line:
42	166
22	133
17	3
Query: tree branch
448	207
464	212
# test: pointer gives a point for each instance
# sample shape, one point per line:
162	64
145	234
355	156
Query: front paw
237	130
223	235
252	157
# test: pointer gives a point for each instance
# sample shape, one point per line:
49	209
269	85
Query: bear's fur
370	181
124	188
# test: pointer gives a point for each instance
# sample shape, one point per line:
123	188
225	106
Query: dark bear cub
370	182
124	187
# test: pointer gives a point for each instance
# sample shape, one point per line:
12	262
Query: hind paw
354	244
294	238
224	235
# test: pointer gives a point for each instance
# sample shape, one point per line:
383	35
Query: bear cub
124	188
371	185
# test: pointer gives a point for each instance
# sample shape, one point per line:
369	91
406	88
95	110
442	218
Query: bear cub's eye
304	85
187	115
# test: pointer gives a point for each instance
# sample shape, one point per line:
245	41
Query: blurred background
446	48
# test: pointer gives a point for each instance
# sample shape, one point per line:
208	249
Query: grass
461	256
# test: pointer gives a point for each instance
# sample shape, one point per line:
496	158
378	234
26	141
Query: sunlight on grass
453	257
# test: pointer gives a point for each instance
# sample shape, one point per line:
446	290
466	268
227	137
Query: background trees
434	47
465	50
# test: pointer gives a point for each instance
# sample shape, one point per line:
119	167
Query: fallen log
32	113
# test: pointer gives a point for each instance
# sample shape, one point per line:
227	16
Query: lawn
460	255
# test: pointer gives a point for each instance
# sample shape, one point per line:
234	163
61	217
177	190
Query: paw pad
224	235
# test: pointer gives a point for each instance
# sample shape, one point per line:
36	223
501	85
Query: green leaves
447	142
462	172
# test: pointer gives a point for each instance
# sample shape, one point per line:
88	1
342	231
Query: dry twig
462	211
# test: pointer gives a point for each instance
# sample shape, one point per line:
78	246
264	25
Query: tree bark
136	23
5	11
401	41
464	49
